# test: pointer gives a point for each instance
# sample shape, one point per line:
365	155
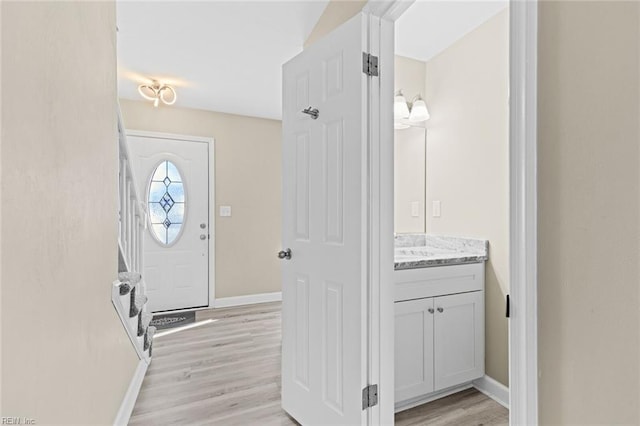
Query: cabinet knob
430	310
440	310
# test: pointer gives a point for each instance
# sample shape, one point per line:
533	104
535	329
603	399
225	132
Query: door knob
430	310
284	254
440	310
203	237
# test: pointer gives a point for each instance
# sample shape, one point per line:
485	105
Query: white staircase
128	291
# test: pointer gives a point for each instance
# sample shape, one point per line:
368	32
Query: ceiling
219	55
430	26
227	56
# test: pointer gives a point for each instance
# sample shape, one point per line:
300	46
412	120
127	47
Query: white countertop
423	251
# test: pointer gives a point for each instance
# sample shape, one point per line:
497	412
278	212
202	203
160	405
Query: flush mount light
157	92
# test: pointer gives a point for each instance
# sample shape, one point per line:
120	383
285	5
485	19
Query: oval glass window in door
166	203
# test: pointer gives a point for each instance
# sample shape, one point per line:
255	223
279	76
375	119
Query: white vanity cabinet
414	320
439	336
458	339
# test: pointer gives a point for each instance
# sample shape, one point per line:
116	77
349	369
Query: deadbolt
203	225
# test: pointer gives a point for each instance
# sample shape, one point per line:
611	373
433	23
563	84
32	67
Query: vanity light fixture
157	92
419	111
400	108
405	116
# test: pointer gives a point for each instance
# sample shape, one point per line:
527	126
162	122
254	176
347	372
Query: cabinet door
413	348
459	338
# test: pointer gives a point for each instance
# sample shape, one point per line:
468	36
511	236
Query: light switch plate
415	209
435	208
225	211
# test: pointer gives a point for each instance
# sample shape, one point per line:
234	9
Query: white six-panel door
176	246
324	341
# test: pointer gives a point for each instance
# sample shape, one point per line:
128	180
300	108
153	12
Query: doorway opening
522	343
451	182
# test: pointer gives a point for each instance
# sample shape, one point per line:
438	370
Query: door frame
212	202
523	335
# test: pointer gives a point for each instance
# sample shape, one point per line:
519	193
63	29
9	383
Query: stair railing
129	290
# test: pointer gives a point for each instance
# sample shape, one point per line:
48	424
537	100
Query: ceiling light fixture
157	92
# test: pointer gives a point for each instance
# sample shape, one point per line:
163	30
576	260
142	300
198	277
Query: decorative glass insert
166	202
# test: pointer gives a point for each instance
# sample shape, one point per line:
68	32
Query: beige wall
468	161
66	358
588	212
409	76
409	147
335	14
409	179
248	159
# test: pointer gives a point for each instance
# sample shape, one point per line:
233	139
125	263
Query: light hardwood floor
228	373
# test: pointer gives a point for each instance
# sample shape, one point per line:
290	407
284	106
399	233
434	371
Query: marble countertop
422	251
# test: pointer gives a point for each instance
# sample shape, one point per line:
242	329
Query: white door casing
324	313
523	341
176	275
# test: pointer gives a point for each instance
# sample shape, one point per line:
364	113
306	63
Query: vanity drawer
438	280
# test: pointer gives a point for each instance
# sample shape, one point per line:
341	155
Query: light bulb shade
419	111
168	95
147	92
400	108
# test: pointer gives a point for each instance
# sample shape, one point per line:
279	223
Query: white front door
173	180
324	289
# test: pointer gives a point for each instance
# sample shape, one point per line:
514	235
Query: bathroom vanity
439	316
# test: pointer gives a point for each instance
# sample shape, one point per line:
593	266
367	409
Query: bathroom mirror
410	149
410	180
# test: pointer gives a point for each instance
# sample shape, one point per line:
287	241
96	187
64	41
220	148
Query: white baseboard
414	402
250	299
493	389
129	400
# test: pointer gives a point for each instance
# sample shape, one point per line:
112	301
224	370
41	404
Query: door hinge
369	396
369	64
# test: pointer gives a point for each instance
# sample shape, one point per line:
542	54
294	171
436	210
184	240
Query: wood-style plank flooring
228	373
468	408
